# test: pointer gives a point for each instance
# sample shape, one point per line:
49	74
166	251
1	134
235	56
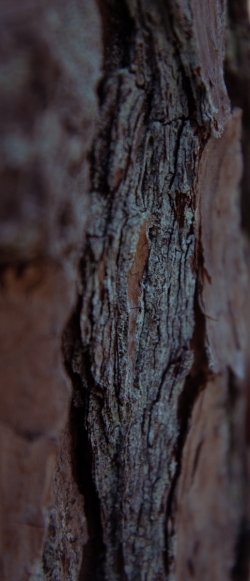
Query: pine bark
124	295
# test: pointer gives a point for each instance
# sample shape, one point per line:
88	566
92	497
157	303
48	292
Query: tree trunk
123	258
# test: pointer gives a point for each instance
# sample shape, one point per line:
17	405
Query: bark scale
150	475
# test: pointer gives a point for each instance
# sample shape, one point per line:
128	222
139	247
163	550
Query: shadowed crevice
240	571
82	458
195	382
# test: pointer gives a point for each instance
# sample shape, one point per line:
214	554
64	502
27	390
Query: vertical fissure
240	570
195	382
93	556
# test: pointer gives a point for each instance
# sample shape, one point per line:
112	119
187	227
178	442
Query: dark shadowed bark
122	259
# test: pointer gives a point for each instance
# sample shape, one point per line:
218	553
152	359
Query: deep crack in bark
195	382
82	457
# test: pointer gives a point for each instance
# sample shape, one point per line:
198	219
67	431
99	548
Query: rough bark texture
149	481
